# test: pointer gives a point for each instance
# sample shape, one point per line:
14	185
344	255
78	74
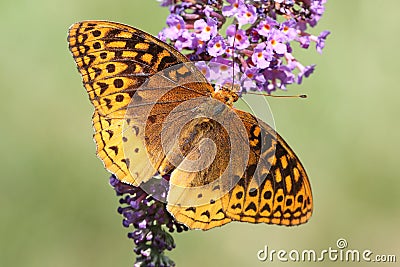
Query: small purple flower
219	70
216	46
237	38
288	28
176	26
246	15
254	74
233	8
143	224
265	26
262	56
320	43
304	41
205	30
305	71
317	9
252	80
187	40
275	42
278	78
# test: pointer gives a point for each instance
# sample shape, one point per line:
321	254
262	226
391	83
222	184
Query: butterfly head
226	95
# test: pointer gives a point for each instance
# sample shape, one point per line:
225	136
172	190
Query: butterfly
156	113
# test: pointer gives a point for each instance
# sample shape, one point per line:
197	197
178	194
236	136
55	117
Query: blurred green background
57	209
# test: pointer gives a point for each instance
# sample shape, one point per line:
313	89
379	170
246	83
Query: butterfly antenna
277	96
233	56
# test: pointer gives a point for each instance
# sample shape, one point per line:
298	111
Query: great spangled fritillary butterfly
136	84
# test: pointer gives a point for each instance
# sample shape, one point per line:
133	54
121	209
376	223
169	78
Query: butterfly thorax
225	95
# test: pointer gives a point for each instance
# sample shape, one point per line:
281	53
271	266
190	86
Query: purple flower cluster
258	41
144	208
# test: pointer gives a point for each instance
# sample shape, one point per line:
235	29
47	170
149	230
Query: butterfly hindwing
196	191
275	187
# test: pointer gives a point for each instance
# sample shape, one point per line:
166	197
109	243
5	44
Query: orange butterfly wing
128	73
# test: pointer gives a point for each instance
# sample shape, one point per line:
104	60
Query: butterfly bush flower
216	47
259	38
144	208
205	30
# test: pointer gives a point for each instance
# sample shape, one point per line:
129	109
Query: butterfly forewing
115	60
